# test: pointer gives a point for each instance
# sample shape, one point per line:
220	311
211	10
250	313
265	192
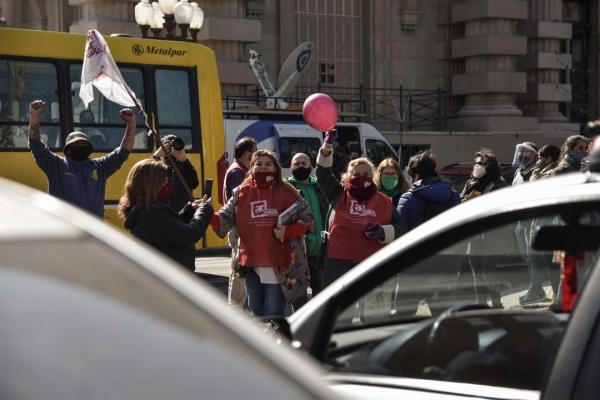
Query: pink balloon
320	112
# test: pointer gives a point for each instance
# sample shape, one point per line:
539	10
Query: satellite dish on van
296	63
293	67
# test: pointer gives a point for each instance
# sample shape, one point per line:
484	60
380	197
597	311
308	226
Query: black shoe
534	296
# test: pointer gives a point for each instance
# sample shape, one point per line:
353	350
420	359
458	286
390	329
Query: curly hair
492	168
353	164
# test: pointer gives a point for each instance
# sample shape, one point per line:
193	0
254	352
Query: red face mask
361	187
164	194
264	179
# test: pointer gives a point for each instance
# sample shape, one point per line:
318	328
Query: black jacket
179	198
169	232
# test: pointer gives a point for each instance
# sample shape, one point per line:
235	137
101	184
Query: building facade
420	70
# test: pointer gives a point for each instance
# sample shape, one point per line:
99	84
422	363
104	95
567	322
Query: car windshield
477	311
498	268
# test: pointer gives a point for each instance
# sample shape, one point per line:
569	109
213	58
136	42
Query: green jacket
316	200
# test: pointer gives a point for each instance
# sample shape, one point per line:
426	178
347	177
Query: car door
465	270
575	369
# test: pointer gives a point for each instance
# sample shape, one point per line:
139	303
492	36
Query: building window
326	73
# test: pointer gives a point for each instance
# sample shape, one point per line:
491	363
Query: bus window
21	82
288	147
174	105
101	121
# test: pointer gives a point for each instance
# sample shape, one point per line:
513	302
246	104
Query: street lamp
167	7
143	16
183	16
197	21
157	20
168	14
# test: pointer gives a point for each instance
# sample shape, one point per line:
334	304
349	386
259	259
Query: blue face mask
579	155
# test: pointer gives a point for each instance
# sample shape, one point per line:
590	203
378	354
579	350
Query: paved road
213	265
215	270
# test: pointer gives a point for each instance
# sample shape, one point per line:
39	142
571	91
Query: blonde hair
143	182
390	162
355	163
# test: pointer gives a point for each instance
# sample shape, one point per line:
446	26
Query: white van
288	137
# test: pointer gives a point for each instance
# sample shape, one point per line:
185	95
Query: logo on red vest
361	209
259	209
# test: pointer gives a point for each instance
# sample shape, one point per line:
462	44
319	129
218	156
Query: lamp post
197	21
168	14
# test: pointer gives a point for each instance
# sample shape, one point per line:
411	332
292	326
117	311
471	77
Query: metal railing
391	110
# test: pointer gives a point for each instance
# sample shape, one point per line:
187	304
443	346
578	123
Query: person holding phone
271	257
145	209
175	147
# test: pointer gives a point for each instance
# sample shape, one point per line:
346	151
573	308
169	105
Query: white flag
100	70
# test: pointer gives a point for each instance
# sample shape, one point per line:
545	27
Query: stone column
545	61
490	82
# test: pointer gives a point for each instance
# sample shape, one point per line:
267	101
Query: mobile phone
208	184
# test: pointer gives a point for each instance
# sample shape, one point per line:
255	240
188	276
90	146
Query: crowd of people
287	234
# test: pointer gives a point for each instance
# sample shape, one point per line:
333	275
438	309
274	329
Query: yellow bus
176	81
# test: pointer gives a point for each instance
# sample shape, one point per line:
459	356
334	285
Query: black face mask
301	173
78	153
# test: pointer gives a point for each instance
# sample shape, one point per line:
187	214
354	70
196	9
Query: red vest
347	240
256	217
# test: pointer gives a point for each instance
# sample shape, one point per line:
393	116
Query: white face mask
478	171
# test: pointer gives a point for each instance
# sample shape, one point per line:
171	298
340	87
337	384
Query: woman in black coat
147	214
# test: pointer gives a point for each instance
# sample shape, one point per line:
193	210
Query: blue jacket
79	183
413	204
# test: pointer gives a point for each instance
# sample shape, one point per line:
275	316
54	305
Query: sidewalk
215	271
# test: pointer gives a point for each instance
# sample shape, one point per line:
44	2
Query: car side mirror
572	238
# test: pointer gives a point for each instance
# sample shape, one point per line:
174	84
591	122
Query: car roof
547	192
47	234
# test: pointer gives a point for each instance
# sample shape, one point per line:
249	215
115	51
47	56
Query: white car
89	313
440	313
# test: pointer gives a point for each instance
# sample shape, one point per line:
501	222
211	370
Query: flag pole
170	160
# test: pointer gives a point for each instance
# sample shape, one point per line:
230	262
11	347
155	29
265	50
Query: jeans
264	299
316	282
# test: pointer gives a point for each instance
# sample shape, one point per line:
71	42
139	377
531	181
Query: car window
288	147
378	150
472	312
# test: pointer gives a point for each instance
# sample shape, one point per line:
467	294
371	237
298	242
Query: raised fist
128	116
36	108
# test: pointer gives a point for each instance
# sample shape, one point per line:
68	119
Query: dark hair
423	164
243	145
550	150
492	169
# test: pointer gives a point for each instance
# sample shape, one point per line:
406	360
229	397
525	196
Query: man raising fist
75	177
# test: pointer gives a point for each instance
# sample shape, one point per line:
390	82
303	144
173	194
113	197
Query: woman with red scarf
271	253
145	208
362	219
